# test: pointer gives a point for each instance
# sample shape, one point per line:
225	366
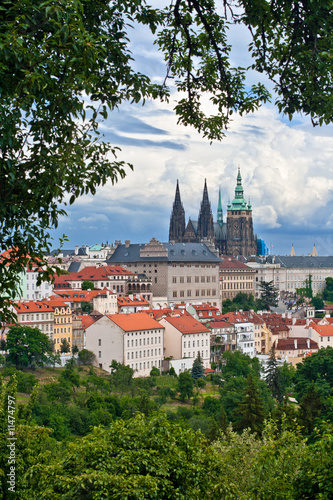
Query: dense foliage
66	64
126	447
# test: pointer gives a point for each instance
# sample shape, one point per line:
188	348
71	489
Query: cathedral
233	237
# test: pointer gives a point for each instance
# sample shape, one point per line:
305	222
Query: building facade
180	272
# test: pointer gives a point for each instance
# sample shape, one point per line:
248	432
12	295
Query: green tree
137	459
250	413
86	357
317	369
75	349
86	307
317	302
269	295
328	290
185	385
121	376
64	65
197	368
65	347
27	347
272	377
237	364
87	285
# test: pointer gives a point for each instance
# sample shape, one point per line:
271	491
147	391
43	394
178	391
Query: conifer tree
272	376
250	413
197	368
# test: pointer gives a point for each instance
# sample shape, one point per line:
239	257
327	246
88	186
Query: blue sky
287	171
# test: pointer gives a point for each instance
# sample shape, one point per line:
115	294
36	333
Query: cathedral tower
177	219
205	220
240	237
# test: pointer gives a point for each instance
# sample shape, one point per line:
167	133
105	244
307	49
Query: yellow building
63	324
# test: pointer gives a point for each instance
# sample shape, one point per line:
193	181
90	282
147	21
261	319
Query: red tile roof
294	344
134	321
78	295
32	306
92	273
231	264
86	320
323	330
187	324
136	301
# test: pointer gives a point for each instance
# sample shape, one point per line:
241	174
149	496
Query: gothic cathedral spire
177	219
205	220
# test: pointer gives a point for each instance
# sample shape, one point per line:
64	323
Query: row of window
197	279
42	327
62	330
46	286
59	341
131	343
145	332
142	354
193	343
142	366
237	286
198	293
194	354
32	317
63	319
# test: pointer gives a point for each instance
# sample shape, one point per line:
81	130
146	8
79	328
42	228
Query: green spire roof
220	211
239	202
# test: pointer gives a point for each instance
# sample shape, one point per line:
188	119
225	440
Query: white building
290	272
134	339
184	337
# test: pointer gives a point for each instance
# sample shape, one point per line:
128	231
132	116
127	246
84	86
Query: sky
286	168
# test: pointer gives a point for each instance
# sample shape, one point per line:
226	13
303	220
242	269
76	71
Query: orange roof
295	343
231	264
220	324
78	295
126	301
187	324
37	305
92	273
323	330
86	320
134	321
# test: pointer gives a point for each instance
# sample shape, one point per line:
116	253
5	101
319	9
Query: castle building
233	237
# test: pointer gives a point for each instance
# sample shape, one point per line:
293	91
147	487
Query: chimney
310	332
295	343
307	321
76	249
127	243
308	343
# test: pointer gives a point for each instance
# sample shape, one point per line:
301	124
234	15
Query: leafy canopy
27	346
66	63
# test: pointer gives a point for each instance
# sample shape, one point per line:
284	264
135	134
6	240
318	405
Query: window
174	279
181	279
99	354
99	341
188	279
181	293
174	294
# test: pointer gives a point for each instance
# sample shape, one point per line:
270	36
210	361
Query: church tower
240	237
205	220
220	210
177	219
